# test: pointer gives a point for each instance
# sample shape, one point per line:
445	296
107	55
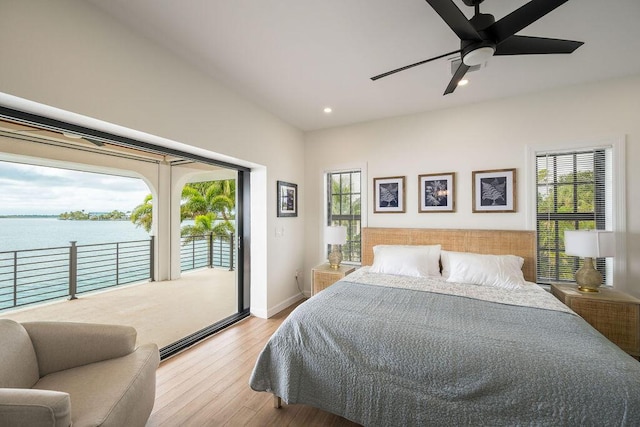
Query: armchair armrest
64	345
34	408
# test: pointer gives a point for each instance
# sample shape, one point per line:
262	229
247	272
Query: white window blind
574	192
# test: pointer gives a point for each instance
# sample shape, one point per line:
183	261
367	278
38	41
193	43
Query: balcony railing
207	251
38	275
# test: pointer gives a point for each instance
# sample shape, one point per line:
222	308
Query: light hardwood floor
208	384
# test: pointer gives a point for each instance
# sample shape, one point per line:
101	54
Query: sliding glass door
194	223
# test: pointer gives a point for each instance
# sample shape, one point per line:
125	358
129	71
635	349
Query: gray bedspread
384	356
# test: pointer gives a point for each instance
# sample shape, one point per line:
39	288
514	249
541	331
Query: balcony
112	283
162	312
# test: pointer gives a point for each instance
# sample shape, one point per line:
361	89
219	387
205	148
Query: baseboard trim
286	303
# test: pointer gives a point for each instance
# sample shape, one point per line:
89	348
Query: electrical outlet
297	273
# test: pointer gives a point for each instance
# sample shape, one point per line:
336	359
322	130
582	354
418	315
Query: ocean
36	233
34	257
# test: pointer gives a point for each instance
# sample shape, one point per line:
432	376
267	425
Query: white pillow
404	260
502	271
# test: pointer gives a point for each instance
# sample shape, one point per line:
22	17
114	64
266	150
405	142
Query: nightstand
324	276
615	314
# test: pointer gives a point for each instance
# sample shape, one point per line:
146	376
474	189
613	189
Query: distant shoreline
93	218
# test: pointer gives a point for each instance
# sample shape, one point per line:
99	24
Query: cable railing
38	275
107	265
207	250
28	276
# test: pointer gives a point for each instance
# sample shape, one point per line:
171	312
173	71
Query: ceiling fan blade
457	76
524	45
406	67
455	19
521	18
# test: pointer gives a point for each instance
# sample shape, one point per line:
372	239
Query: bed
382	349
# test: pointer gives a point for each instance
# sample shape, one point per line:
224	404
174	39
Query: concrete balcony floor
162	312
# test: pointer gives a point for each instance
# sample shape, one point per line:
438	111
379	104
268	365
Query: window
574	192
344	207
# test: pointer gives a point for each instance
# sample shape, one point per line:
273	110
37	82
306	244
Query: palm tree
209	196
142	215
211	205
205	224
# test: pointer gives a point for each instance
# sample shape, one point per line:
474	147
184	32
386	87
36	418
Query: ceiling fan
481	37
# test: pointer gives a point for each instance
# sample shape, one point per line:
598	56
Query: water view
36	258
44	209
36	233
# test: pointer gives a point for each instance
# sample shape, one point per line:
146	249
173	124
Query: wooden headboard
497	242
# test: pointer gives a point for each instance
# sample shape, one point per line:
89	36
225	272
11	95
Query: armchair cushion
31	407
110	393
19	365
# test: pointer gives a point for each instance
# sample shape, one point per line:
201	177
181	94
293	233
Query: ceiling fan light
478	56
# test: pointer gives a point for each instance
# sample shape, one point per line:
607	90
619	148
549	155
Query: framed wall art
389	194
287	199
436	192
494	190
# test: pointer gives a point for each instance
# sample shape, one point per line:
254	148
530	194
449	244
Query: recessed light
327	110
463	82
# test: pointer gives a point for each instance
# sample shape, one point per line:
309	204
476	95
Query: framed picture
287	199
494	190
389	194
436	192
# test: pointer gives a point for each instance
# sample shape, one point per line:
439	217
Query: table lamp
336	236
589	244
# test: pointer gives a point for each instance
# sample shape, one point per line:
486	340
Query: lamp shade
336	235
590	243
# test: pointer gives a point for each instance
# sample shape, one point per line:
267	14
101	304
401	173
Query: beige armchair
59	374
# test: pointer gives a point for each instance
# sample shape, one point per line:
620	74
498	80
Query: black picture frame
287	199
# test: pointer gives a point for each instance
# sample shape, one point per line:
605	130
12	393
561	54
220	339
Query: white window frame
619	217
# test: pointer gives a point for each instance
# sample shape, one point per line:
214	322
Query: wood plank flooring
208	384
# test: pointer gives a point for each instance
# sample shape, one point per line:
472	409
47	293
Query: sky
39	190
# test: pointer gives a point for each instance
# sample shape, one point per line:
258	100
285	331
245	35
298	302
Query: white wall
69	55
492	135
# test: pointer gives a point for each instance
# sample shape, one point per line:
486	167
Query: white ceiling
295	57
